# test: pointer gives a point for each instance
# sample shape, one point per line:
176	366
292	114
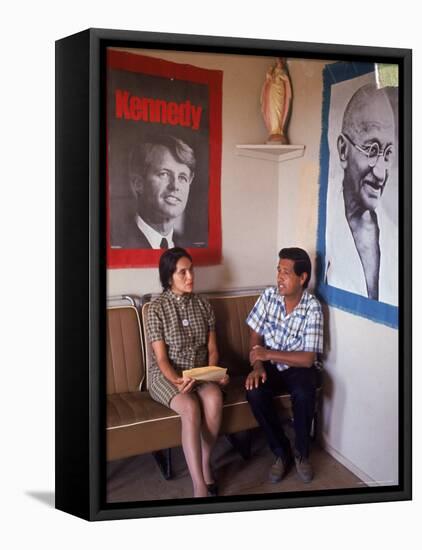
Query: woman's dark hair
302	262
168	262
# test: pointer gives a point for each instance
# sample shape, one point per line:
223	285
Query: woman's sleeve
210	315
155	327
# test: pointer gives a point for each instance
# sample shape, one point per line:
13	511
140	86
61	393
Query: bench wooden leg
163	460
242	443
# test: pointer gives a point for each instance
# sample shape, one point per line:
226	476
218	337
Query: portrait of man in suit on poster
161	172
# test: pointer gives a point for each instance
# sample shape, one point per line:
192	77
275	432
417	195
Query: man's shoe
304	469
278	470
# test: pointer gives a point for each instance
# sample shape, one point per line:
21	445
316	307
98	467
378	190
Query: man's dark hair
168	262
140	155
302	262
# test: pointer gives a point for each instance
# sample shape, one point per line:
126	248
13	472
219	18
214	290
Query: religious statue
276	100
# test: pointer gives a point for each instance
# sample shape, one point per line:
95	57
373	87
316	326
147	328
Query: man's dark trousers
301	383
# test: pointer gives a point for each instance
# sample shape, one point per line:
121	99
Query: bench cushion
232	331
137	424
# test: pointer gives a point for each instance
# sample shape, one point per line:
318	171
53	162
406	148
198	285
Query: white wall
360	409
298	187
360	414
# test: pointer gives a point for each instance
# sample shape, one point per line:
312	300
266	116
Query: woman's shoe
212	489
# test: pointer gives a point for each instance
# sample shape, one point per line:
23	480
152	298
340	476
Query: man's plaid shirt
301	330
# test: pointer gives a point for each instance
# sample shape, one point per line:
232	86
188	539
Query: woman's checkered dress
183	323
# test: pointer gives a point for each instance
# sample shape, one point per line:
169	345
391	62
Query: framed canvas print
233	277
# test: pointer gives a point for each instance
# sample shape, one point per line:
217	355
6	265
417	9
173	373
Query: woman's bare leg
211	399
188	407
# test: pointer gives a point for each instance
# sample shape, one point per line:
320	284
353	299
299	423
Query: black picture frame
81	271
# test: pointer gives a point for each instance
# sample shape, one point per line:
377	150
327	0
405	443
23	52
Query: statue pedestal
279	139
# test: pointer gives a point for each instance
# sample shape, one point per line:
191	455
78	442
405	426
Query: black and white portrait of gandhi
158	161
361	235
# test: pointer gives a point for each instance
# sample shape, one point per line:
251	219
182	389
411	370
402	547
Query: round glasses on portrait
373	151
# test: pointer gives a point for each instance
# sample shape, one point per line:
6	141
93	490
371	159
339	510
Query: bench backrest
232	332
125	352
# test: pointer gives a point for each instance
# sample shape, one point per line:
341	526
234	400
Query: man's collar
301	305
303	301
153	236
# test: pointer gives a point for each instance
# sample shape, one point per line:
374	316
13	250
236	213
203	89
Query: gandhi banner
358	210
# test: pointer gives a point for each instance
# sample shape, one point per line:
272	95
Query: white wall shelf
274	153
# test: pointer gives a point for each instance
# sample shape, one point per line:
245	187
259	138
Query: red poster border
135	258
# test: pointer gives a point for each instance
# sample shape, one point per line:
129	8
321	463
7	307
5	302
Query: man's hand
184	385
254	377
257	353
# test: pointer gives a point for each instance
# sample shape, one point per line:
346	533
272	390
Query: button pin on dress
185	322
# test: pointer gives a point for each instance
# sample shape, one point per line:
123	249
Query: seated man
286	335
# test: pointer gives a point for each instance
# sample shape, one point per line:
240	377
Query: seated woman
181	329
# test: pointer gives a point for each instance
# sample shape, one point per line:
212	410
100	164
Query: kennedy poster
358	212
163	160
